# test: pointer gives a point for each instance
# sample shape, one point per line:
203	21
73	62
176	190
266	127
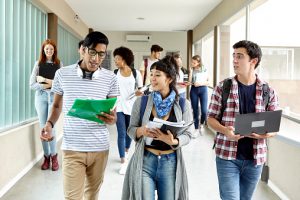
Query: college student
239	159
199	80
158	164
146	64
41	80
85	143
129	81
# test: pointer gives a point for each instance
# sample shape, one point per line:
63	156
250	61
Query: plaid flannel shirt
224	147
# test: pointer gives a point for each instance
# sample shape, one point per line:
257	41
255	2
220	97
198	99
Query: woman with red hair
41	81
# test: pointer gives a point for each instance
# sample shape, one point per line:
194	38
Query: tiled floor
199	157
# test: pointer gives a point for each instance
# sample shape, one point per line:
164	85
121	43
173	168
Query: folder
89	108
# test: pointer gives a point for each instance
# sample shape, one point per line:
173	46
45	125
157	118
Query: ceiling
157	15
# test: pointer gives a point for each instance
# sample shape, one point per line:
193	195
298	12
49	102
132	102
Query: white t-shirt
80	134
142	68
127	88
180	79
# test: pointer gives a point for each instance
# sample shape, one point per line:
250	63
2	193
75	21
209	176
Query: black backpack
226	89
134	75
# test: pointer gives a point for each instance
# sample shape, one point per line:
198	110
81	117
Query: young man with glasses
85	143
239	159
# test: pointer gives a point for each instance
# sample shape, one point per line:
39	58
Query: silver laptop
260	123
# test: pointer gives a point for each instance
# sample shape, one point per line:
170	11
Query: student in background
129	81
85	144
199	81
158	165
239	159
146	64
41	81
182	77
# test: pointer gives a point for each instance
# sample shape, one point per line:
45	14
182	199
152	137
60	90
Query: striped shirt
79	134
226	148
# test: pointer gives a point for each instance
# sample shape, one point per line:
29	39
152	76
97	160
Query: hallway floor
200	164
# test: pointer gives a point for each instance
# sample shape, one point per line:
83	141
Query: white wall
170	41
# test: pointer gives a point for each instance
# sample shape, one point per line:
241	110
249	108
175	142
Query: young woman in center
158	165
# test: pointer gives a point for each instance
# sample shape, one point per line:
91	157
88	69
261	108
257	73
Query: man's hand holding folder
101	111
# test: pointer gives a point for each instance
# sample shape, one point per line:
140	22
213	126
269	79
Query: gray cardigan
132	186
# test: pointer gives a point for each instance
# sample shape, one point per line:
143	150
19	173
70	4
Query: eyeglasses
93	52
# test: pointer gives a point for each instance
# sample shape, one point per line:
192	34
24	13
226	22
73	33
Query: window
22	31
232	31
67	46
280	64
204	48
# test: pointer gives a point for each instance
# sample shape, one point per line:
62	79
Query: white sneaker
123	168
195	134
127	155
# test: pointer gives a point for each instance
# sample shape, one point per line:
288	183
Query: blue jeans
124	140
196	94
237	178
43	105
159	172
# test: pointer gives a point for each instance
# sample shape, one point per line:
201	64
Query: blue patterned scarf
163	107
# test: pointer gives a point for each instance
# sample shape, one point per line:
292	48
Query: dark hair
125	53
169	66
176	55
94	38
80	43
43	58
156	48
253	50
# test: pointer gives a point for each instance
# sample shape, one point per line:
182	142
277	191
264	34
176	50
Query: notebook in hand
47	70
259	123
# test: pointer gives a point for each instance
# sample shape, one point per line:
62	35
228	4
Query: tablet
259	123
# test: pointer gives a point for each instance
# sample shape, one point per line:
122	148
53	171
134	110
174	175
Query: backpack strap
182	104
266	95
225	94
145	70
116	71
133	72
144	100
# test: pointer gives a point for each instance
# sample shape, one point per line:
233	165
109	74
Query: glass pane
21	33
232	31
280	43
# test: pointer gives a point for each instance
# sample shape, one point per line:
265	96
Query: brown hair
43	57
198	58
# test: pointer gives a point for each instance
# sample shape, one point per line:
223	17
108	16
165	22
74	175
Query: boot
54	161
46	163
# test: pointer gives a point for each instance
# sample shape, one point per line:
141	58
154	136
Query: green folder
89	109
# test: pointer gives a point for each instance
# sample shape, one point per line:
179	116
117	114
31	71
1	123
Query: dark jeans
196	94
124	140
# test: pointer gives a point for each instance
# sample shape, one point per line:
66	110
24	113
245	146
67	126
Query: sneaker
195	134
123	168
127	155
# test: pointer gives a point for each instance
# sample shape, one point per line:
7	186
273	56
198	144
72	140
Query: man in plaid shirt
239	159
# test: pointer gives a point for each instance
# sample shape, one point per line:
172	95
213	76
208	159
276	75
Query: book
175	127
89	108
